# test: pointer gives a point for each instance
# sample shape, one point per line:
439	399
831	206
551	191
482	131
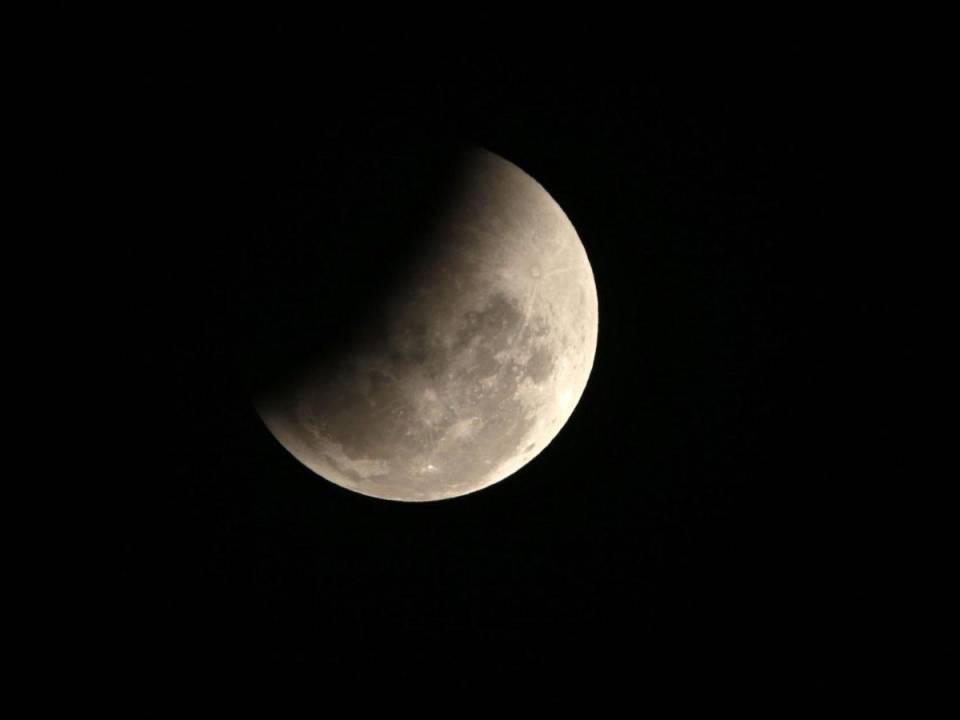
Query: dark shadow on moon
317	291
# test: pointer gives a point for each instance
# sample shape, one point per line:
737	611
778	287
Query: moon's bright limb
480	361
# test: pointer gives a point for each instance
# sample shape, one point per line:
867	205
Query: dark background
689	503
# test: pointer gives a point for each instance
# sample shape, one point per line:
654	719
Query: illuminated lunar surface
476	361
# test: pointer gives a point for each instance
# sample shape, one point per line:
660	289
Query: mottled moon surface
475	363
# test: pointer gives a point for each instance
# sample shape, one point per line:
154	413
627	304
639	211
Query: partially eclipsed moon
481	357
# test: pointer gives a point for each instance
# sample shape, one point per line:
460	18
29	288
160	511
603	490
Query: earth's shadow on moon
321	284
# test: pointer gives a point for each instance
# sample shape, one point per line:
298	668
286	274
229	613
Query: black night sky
688	501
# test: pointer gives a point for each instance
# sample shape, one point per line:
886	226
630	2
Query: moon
473	364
